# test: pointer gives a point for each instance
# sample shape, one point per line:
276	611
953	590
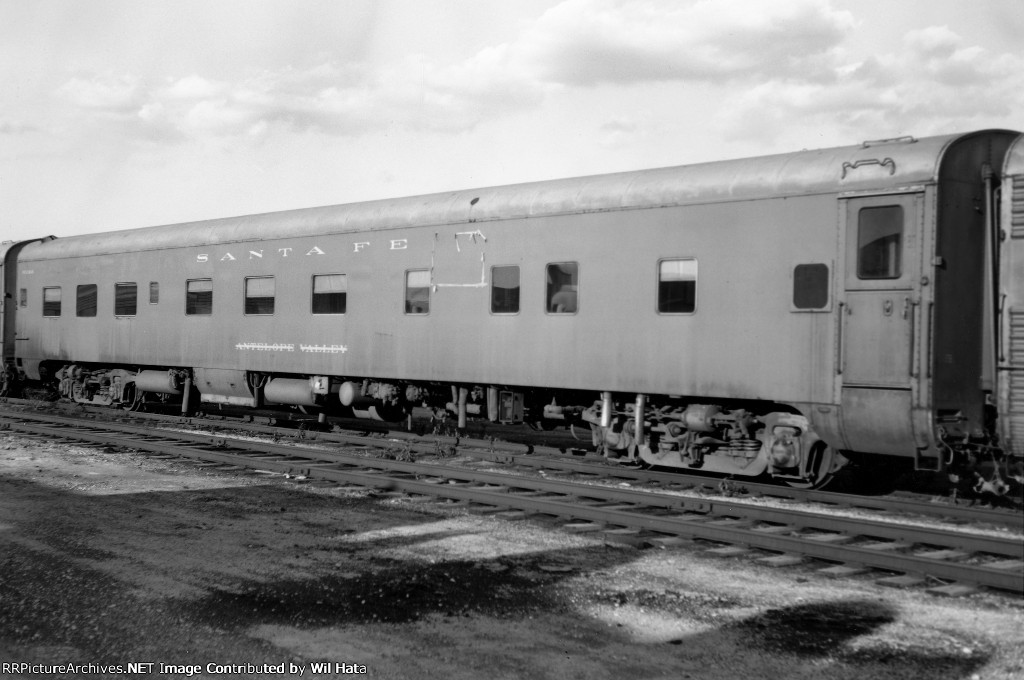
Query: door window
880	242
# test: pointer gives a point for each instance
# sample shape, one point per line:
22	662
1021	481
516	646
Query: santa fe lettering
357	247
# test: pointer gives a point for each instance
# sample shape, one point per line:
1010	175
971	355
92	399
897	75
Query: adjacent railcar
9	252
743	317
1009	293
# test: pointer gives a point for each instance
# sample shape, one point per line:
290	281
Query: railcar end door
879	315
879	309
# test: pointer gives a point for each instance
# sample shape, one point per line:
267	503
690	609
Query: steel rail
675	480
541	456
546	457
669	481
1004	576
806	518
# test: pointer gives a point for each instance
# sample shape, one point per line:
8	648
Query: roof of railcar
7	246
1014	164
871	165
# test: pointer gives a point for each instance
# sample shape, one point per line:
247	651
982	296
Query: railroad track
591	467
948	561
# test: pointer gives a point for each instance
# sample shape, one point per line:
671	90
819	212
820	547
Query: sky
117	114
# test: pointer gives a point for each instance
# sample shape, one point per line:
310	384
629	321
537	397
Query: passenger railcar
768	315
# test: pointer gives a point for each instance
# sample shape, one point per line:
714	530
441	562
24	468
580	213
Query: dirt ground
111	558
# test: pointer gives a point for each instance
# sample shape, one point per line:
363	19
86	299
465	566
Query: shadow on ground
62	591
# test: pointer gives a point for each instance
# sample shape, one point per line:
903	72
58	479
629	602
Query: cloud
191	87
785	58
577	43
620	132
585	42
329	98
934	82
104	92
8	127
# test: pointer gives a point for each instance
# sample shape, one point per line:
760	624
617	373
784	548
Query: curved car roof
888	163
1014	164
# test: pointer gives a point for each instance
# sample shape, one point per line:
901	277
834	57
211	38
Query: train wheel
134	398
823	463
7	381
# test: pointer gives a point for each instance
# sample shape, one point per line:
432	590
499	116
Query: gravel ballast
115	558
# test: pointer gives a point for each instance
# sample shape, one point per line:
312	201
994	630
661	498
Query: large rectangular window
880	242
199	296
563	287
677	286
86	300
51	302
504	290
259	295
126	299
417	291
330	293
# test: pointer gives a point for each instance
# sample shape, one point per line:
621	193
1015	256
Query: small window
87	299
259	295
199	296
23	297
505	290
563	287
330	293
880	242
417	291
126	298
51	301
810	286
677	286
154	292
